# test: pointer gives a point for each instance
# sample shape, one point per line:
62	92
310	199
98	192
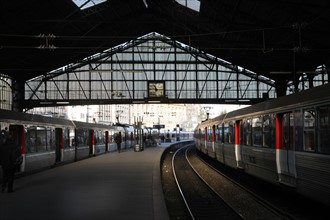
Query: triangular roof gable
190	75
154	36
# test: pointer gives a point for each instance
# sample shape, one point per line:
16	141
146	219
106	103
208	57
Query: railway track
201	201
251	205
194	190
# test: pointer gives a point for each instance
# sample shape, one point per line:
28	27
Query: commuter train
47	141
285	141
179	136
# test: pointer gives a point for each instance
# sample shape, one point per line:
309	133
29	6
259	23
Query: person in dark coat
9	153
3	136
118	140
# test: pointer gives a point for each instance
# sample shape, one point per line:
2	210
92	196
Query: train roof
19	117
39	120
306	98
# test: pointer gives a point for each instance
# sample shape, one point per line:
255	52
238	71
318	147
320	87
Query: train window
4	129
309	130
288	131
202	135
209	133
111	136
218	133
66	138
99	137
268	139
257	131
225	132
30	139
229	132
247	132
96	137
324	138
50	138
72	137
82	136
39	139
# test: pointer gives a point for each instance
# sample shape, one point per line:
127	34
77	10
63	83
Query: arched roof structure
281	40
149	69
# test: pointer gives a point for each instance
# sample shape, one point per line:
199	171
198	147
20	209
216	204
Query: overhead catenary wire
131	36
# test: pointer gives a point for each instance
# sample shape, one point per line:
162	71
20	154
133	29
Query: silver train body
285	141
47	141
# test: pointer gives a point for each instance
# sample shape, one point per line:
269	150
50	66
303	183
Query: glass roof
83	4
192	4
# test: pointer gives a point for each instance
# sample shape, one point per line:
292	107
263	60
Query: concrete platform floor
123	185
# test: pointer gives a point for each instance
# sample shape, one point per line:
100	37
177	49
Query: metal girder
122	75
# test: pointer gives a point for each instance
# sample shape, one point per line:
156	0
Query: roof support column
175	73
280	87
326	71
217	78
196	78
18	95
133	77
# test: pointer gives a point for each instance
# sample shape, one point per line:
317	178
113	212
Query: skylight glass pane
192	4
83	4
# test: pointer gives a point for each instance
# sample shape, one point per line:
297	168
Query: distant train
47	141
172	136
285	141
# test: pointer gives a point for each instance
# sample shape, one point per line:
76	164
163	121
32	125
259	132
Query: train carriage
284	141
48	141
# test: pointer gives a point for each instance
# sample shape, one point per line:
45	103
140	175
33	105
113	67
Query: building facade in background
170	115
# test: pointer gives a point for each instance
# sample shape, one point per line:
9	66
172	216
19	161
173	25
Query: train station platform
124	185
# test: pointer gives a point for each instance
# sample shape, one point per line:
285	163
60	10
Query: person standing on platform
11	159
118	140
3	136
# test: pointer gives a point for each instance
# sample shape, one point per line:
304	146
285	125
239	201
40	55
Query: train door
106	138
19	137
222	145
213	138
59	145
285	154
205	139
238	146
91	142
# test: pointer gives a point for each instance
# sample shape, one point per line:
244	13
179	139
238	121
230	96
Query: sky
192	4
